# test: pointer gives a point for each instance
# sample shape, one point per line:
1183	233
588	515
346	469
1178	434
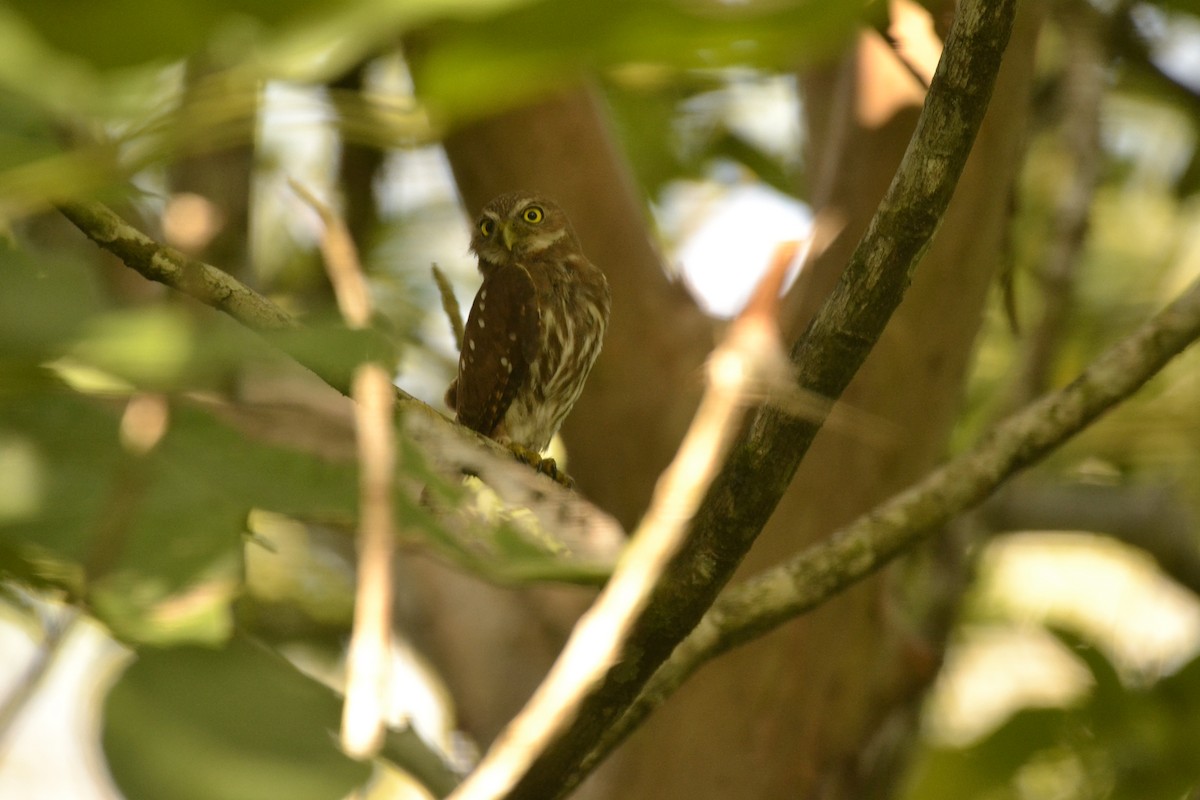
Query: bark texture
790	716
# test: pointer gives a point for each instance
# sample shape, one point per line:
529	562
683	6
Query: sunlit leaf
467	68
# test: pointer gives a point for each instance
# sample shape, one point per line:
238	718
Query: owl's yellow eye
533	215
487	226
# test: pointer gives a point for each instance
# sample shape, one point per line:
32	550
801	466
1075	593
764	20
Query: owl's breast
571	332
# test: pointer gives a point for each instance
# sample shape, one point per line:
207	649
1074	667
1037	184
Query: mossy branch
570	518
165	265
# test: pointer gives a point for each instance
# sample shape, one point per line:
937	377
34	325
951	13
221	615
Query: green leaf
122	33
43	304
990	764
238	723
470	67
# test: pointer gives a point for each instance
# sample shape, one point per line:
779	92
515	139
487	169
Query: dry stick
369	653
750	356
449	305
763	602
763	461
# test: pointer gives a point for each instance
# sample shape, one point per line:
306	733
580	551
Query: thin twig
449	305
771	598
369	655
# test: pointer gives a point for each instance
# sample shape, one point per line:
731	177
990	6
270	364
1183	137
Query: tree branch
162	264
456	447
769	450
762	603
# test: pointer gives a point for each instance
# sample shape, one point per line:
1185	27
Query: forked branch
807	580
769	449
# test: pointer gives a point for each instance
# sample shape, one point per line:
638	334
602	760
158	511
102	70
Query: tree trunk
493	645
794	714
789	715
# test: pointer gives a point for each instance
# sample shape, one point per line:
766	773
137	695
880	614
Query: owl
535	328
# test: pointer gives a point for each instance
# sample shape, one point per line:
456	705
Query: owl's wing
499	344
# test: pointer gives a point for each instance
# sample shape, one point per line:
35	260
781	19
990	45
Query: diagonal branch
769	450
775	596
571	519
162	264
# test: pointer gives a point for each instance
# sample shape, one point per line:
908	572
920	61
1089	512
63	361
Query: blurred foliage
538	46
197	723
129	484
1121	741
695	114
163	542
1127	736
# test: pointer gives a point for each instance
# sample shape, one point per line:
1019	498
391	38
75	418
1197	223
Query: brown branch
806	581
765	458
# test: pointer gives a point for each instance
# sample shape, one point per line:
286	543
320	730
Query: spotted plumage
535	328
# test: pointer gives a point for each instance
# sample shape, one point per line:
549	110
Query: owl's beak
506	233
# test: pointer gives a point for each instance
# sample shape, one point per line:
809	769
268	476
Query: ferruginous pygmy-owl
535	328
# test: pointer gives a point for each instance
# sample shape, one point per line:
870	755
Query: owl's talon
549	468
546	466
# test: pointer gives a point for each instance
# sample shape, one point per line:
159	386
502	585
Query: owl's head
520	225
